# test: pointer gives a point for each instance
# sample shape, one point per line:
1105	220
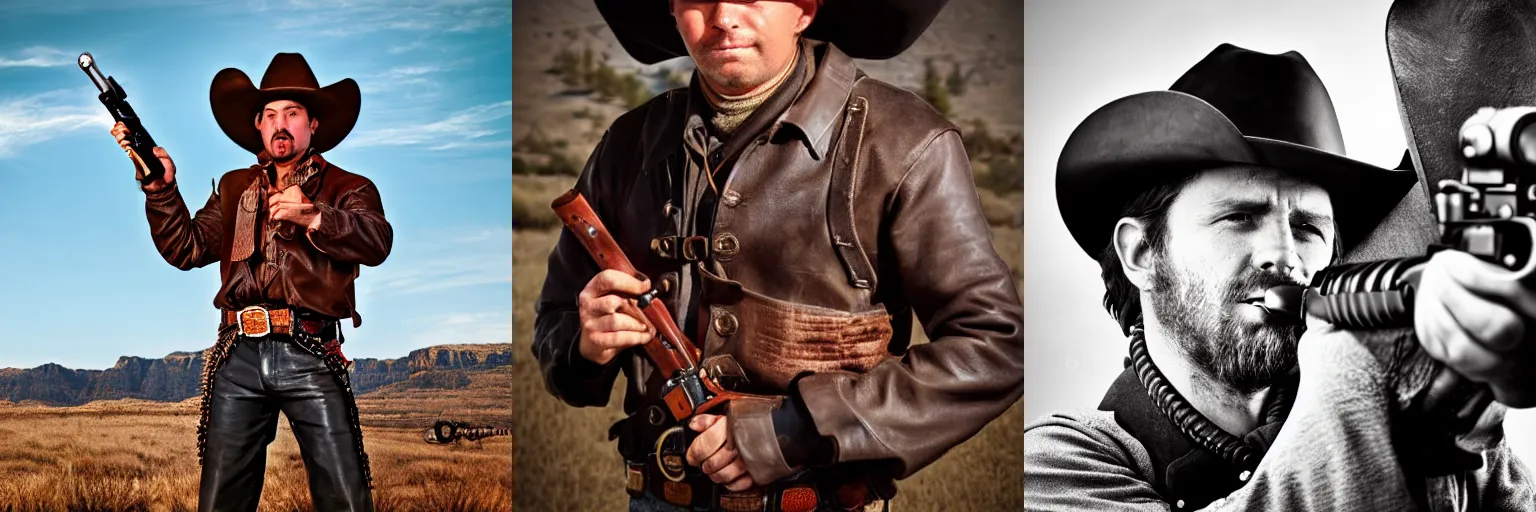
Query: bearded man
1196	201
289	234
794	214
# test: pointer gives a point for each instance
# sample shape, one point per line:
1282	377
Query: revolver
140	145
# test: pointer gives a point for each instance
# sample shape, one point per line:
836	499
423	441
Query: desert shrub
933	90
956	80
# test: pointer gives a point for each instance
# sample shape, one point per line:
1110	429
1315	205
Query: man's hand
1472	316
604	330
291	206
120	132
714	452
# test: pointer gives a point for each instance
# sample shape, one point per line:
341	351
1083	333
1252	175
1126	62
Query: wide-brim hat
863	29
236	101
1235	107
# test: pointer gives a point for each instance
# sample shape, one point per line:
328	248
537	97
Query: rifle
692	386
1490	213
141	146
449	432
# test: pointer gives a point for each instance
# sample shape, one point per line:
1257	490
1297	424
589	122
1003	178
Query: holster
773	341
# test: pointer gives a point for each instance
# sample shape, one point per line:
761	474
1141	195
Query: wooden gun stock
692	389
671	352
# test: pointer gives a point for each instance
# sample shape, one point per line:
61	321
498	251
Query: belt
795	494
259	321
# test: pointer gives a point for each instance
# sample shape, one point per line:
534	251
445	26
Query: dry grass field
133	455
565	462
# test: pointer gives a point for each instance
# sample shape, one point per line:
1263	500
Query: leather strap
683	248
247	240
840	200
284	321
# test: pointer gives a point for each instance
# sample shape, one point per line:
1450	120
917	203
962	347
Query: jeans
264	376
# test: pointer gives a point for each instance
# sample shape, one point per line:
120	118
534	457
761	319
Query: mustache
1241	287
719	41
282	134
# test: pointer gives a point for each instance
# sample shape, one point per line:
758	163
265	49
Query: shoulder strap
840	195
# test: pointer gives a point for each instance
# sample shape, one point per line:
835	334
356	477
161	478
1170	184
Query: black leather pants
264	376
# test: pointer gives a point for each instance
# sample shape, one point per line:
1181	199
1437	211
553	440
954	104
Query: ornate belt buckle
255	322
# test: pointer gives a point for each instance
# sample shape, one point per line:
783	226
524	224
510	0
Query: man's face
285	129
739	45
1233	233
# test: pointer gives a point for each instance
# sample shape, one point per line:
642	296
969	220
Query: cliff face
175	377
460	357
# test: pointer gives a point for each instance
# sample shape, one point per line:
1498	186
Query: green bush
530	211
955	81
934	91
998	162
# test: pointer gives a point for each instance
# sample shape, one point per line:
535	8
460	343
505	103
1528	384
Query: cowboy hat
862	29
236	102
1235	107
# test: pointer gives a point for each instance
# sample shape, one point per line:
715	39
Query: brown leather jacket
316	271
788	291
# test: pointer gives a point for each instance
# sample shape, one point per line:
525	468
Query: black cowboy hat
1234	107
863	29
236	102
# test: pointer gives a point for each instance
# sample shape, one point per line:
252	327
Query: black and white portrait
1230	298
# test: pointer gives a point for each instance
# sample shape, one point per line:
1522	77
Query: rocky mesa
175	377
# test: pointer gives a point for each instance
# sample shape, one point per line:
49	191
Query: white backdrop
1082	54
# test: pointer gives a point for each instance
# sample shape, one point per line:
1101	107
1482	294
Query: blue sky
80	280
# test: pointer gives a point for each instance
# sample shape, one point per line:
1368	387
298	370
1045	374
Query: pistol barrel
88	65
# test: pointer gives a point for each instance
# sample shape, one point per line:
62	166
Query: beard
1198	316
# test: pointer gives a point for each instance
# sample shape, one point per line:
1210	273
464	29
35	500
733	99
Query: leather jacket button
668	280
731	199
725	323
726	246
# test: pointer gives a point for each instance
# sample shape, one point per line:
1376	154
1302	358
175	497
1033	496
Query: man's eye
1312	229
1239	218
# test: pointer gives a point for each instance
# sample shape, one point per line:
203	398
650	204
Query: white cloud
409	71
487	144
341	18
474	259
502	235
415	77
18	10
29	120
458	130
38	57
396	50
478	327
